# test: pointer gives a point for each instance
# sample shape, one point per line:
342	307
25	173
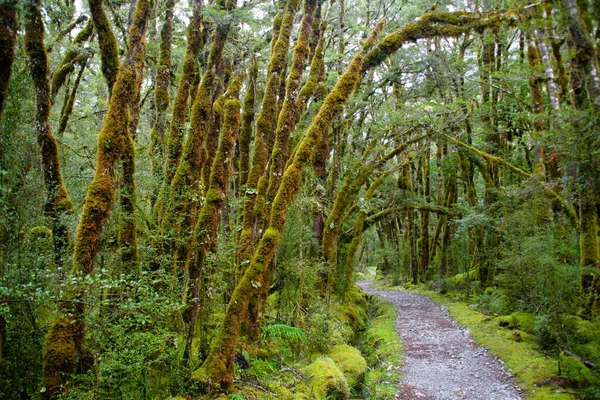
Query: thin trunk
246	129
161	95
174	139
67	108
76	54
206	228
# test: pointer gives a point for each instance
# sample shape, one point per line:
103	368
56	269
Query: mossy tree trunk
161	93
8	37
186	188
175	135
217	369
58	202
205	231
265	128
287	119
64	345
107	41
247	129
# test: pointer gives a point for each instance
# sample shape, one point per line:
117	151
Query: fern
286	332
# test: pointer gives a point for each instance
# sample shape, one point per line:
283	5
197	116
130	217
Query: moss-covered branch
346	279
107	41
439	24
67	108
498	160
347	193
74	55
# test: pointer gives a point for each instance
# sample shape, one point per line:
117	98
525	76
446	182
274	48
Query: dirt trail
442	360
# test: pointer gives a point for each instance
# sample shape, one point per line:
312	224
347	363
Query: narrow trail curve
442	360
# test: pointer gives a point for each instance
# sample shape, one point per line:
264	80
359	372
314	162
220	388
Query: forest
190	189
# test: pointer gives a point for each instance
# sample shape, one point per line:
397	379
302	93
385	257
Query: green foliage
286	332
490	303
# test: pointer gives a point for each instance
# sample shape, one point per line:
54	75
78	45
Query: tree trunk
217	369
64	344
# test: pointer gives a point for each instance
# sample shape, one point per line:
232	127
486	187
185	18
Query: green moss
327	381
461	279
175	135
437	24
351	362
107	41
519	320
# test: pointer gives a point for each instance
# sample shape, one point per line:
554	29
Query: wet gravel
442	360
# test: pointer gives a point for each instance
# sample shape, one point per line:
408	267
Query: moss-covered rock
327	381
351	362
519	320
461	279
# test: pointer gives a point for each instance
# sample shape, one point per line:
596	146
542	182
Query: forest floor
441	359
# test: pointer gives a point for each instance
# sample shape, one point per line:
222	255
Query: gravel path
442	360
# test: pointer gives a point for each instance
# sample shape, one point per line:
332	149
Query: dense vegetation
188	189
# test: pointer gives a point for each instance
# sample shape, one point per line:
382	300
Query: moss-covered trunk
107	41
8	37
217	369
286	122
64	344
186	188
175	135
206	228
57	201
265	128
246	130
161	95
